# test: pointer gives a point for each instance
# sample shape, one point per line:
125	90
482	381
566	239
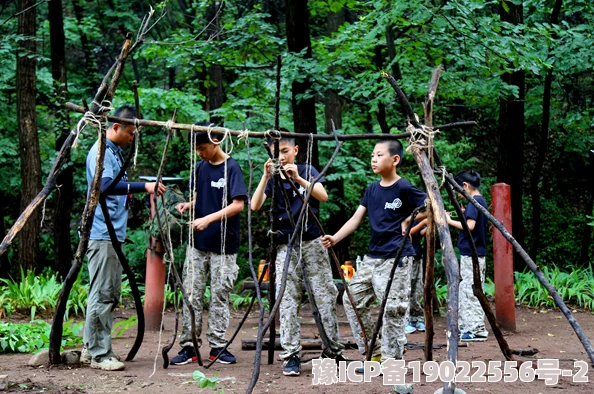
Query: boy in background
471	317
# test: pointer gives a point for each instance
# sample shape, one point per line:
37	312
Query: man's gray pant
105	284
417	289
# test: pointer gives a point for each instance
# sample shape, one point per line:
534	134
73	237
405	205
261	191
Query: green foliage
33	336
122	326
206	382
575	287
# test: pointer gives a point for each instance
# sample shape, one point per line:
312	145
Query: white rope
243	135
97	121
308	176
274	134
136	139
190	251
43	213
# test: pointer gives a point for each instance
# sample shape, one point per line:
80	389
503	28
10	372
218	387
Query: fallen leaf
551	335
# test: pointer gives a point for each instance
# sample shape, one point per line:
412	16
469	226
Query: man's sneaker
85	356
108	364
420	326
410	328
185	356
225	358
471	337
292	366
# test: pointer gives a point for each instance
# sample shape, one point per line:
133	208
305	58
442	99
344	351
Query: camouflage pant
367	284
471	316
417	288
317	266
223	272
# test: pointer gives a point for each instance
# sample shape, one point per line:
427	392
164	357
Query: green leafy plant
206	382
121	327
33	336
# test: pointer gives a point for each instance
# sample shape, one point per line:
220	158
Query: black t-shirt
284	225
387	207
479	233
210	188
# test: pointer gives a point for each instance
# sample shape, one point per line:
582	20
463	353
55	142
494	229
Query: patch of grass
33	336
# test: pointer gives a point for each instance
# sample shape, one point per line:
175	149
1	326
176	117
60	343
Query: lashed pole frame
104	93
450	261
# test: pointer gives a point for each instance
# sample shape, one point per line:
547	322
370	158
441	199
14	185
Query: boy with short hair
216	177
471	317
389	203
314	256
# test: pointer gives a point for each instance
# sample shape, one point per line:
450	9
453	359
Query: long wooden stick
251	134
533	267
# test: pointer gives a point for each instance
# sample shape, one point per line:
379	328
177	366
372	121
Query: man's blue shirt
116	205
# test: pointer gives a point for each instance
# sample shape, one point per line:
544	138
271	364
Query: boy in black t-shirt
219	195
388	203
471	317
312	252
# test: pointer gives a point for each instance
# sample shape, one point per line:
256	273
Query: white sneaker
85	356
108	364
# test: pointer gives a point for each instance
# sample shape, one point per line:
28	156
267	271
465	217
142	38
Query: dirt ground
545	330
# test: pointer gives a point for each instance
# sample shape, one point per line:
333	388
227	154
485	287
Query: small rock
39	359
404	388
3	382
71	357
145	384
456	391
129	382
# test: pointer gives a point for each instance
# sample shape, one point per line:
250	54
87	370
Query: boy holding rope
219	195
389	204
311	250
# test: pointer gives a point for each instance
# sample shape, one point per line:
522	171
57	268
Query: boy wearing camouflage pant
216	177
471	317
315	257
388	203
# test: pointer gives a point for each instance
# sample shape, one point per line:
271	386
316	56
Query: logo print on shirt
301	191
393	205
218	184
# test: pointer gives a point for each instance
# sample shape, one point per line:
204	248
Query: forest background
521	69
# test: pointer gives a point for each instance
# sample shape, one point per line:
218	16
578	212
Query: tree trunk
542	149
28	141
511	139
215	71
584	258
90	66
333	113
304	110
62	212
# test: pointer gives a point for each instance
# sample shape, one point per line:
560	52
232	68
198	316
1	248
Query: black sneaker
292	366
225	358
185	356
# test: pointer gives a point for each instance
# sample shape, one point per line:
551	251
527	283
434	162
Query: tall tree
28	139
510	160
542	147
215	71
62	217
304	109
333	116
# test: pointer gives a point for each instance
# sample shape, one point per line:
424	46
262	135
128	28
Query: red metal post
503	259
154	290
